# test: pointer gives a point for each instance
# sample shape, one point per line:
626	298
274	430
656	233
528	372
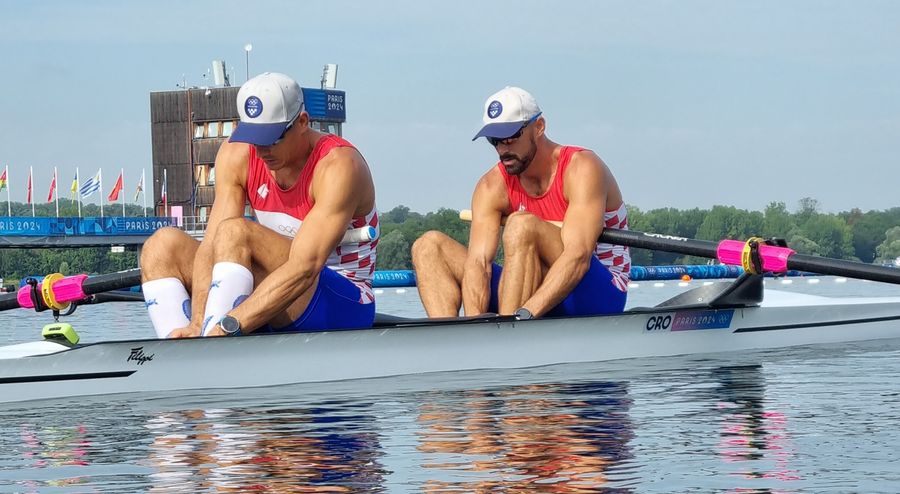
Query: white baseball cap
267	104
506	111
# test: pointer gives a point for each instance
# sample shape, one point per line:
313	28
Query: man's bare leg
169	253
439	261
167	261
530	246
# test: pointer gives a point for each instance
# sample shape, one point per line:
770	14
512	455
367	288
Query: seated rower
548	269
288	270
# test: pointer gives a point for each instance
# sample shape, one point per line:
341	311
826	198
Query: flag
90	185
3	180
52	187
74	187
28	197
140	188
114	193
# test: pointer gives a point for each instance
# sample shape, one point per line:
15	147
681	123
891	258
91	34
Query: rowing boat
722	317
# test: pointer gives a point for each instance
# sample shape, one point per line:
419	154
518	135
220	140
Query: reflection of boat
714	318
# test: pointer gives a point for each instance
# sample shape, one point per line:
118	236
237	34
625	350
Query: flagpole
78	190
166	193
8	202
122	190
56	181
143	184
31	188
100	174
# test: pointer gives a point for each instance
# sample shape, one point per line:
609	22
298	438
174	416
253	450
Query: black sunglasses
495	141
286	129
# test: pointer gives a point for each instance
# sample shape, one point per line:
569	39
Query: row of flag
84	189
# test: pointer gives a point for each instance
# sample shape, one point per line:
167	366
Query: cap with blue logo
267	104
506	111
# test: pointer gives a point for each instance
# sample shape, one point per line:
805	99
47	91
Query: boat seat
745	291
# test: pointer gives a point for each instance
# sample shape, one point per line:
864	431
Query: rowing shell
703	320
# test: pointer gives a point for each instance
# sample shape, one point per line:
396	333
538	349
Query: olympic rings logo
287	230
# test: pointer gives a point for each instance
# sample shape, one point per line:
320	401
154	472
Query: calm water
814	419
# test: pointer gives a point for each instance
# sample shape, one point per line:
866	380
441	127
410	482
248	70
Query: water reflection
563	437
322	449
572	436
754	435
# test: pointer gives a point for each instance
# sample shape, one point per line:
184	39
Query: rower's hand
186	332
216	331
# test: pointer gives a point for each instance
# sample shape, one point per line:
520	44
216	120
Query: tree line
872	236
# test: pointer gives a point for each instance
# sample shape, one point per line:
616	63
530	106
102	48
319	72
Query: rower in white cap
555	201
288	270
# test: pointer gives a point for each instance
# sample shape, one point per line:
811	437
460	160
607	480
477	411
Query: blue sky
691	103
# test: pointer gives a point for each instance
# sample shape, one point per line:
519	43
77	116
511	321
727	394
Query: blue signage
58	227
325	104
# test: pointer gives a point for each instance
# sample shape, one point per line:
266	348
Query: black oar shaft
850	269
706	248
112	281
667	243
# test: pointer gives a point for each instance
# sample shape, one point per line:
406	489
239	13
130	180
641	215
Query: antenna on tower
329	76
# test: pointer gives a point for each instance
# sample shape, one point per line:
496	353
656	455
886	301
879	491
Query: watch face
230	325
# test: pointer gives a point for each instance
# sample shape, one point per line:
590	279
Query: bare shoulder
344	175
344	157
587	172
232	160
491	183
490	193
587	161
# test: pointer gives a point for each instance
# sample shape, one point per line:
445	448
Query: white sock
231	284
168	303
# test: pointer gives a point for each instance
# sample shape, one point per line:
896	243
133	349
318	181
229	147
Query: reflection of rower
750	433
273	449
558	436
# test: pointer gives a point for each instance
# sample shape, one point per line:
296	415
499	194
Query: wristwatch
230	325
522	313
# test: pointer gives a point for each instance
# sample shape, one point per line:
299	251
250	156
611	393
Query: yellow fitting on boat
750	255
62	332
47	291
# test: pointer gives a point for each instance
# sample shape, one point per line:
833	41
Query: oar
64	290
773	258
74	288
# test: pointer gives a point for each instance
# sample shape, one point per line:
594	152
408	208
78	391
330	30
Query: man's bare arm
585	187
489	203
231	176
339	183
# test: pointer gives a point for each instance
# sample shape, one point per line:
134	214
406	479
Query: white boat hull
51	370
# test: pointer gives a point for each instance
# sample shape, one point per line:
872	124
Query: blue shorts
334	305
595	293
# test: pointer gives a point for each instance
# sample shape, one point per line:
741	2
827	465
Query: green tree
890	248
868	230
777	221
831	234
729	222
394	252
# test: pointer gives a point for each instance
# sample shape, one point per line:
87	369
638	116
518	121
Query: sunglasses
286	129
495	141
